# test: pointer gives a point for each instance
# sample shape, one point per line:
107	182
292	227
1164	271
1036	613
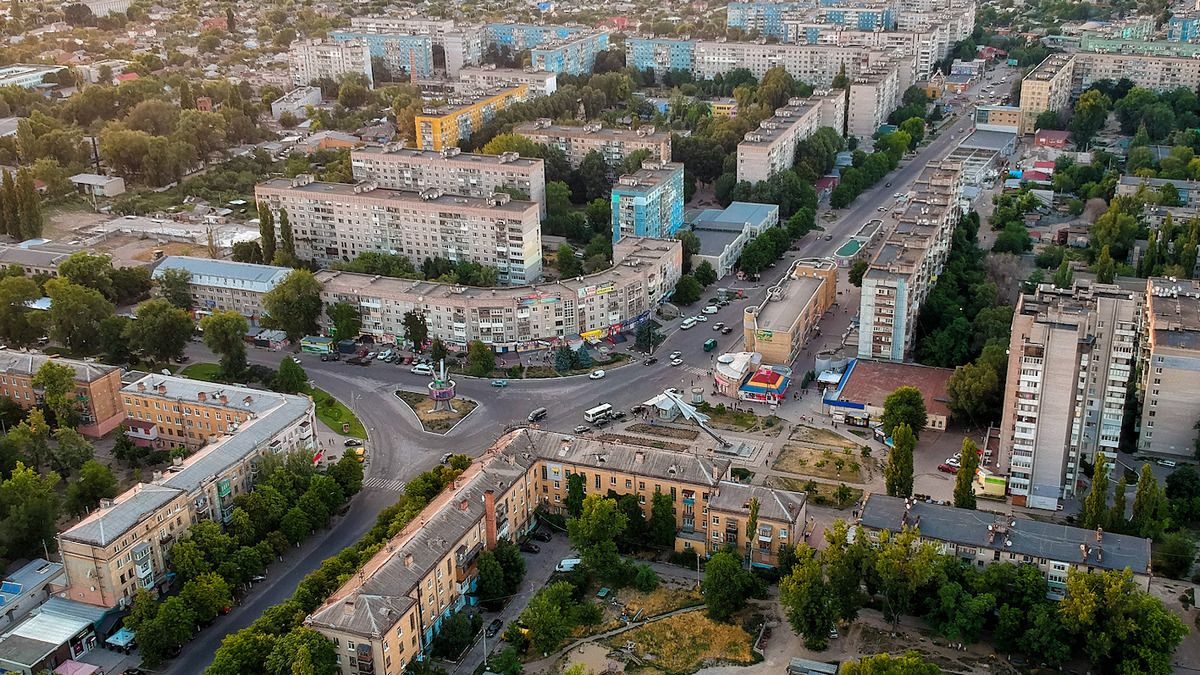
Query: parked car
567	564
673	390
600	422
675	354
617	414
947	468
952	460
500	383
651	361
371	355
494	627
422	369
726	330
583	429
353	443
718	325
334	356
596	375
711	309
530	547
676	361
1170	464
295	359
542	535
701	318
446	457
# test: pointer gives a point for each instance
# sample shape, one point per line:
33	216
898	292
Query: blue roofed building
724	233
517	36
224	284
660	55
649	202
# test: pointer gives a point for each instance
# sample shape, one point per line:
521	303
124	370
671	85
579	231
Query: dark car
542	535
617	414
353	443
530	547
652	360
358	361
726	330
600	422
494	627
947	468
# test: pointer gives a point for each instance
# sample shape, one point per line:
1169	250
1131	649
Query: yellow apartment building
444	126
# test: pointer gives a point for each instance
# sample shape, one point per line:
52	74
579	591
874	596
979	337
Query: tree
175	287
171	627
31	437
905	405
248	252
574	502
290	378
595	533
566	263
20	326
70	451
646	337
705	274
225	333
1149	506
1095	506
90	271
687	290
1065	276
898	473
646	579
1106	269
295	525
29	509
662	520
266	231
690	242
903	565
348	472
294	305
545	618
481	359
302	646
287	241
75	315
492	589
968	463
509	557
857	270
909	663
347	322
206	596
808	600
96	481
161	330
416	330
726	585
438	350
57	384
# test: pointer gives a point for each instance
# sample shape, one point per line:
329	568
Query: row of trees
870	169
441	270
20	206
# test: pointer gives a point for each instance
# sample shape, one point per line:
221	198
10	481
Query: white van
687	323
567	564
422	369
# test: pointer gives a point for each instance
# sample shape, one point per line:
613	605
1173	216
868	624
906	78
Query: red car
947	468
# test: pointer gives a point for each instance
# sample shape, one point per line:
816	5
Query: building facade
649	202
516	318
613	144
335	222
518	36
1071	358
97	389
310	60
470	175
540	83
404	55
1168	360
771	147
874	93
572	55
661	55
1046	87
907	264
724	233
296	102
225	284
779	326
443	127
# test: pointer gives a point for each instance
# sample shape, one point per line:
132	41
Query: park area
436	421
820	453
686	642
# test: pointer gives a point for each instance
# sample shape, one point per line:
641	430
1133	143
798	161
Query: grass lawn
440	421
209	372
819	462
823	494
334	413
685	642
660	601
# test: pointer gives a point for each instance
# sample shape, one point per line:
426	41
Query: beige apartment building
123	545
613	144
905	268
1070	361
383	618
771	147
335	222
1168	364
815	64
1046	87
454	172
97	389
540	82
779	327
517	317
874	93
1157	73
310	60
224	284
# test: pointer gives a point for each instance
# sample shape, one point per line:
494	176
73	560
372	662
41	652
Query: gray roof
1033	538
25	363
714	242
184	389
74	608
32	257
777	505
17	649
31	577
104	525
206	271
649	462
988	140
92	179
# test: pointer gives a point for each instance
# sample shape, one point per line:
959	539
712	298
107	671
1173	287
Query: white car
675	354
701	318
952	461
676	361
711	309
898	195
595	374
421	369
567	564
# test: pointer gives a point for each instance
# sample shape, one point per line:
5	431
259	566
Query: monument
441	390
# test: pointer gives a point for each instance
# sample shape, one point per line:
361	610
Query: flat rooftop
1174	309
779	314
319	190
870	382
546	128
650	176
397	151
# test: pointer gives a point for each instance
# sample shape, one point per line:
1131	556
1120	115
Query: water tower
441	389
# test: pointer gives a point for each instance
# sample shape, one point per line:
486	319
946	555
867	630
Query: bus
599	412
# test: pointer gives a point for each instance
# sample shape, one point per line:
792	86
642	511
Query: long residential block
334	222
311	60
444	126
225	284
541	83
572	55
510	318
771	147
612	144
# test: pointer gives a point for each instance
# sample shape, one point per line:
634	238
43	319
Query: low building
27	588
791	311
614	145
36	256
858	397
980	538
724	233
99	186
1051	138
97	388
517	318
1188	190
444	126
540	82
296	102
328	140
732	369
648	202
93	73
225	285
27	75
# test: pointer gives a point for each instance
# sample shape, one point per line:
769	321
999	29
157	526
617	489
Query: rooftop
774	128
367	189
108	523
980	529
649	177
465	100
870	382
736	216
546	127
1049	67
796	293
1173	306
18	649
451	155
209	269
777	505
988	140
56	629
27	364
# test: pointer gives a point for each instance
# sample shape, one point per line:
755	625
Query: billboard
590	291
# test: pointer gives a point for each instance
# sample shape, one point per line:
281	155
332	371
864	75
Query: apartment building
762	17
923	43
613	144
36	258
518	36
779	326
26	75
648	202
1070	361
1046	87
225	284
540	83
1154	72
404	55
385	617
1183	26
123	546
513	318
661	55
874	93
572	55
97	389
310	60
907	264
771	147
459	173
462	45
444	126
335	222
1168	360
816	65
1098	42
980	538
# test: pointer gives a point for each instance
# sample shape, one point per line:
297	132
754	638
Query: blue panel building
575	55
527	36
660	55
1183	28
648	203
411	53
765	17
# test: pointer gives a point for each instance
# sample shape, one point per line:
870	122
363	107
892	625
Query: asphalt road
399	449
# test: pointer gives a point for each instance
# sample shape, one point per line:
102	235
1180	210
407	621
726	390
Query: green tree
1065	276
347	322
492	589
1095	506
808	600
594	534
566	263
90	271
171	627
247	252
905	405
70	451
964	481
726	585
75	315
548	624
57	384
705	274
646	337
1149	506
898	473
687	290
206	596
294	305
908	663
290	378
646	579
348	472
903	565
509	557
296	525
161	330
574	502
857	270
175	287
96	481
287	242
29	510
416	330
225	333
266	231
661	528
32	439
112	339
481	359
690	242
302	646
1106	269
20	326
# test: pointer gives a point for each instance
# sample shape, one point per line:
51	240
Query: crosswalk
393	484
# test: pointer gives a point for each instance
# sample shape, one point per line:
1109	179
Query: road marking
393	484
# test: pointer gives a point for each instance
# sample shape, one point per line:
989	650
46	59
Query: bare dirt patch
644	442
685	642
824	494
842	465
441	421
816	436
658	430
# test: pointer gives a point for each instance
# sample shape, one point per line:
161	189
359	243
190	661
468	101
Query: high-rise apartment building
1168	363
405	56
771	147
572	55
518	36
444	126
906	266
648	202
1148	71
311	60
874	93
612	144
397	41
661	55
458	173
1071	358
334	222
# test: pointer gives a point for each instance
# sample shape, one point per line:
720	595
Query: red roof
127	77
1044	165
1035	176
870	382
1052	135
826	182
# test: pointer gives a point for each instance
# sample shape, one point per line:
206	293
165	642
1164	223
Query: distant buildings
572	55
518	36
724	233
661	55
296	102
540	83
771	147
96	185
443	127
649	202
1167	364
407	44
224	284
906	266
106	7
612	144
1071	359
25	75
1188	190
311	60
788	316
